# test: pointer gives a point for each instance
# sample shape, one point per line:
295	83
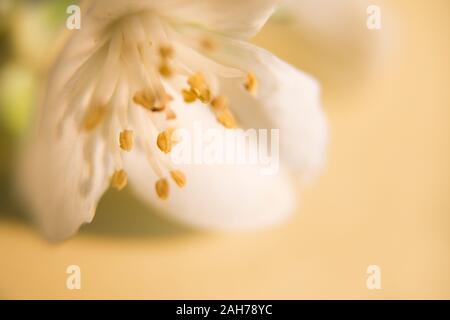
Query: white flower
136	70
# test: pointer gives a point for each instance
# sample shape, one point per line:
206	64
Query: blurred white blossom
135	72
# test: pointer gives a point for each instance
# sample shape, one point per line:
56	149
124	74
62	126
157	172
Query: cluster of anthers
149	93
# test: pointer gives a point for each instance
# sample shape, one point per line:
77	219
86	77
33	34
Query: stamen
178	177
227	119
252	83
170	114
204	96
199	87
164	141
162	188
219	103
166	52
165	70
93	117
197	81
126	140
146	99
119	180
189	96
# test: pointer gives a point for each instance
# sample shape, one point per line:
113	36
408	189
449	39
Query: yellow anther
164	141
197	80
227	119
166	52
162	188
219	103
170	114
199	87
205	96
189	96
94	116
119	180
252	83
165	70
126	140
147	99
179	178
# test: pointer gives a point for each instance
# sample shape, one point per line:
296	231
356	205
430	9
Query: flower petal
232	17
64	170
218	197
63	179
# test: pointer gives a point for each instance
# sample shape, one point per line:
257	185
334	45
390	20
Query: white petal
218	197
62	180
287	99
64	172
233	17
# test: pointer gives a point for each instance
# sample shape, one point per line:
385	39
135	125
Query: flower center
139	61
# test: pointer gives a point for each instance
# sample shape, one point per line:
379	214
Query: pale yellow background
383	199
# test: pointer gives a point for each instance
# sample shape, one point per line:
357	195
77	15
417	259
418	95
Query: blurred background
383	198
